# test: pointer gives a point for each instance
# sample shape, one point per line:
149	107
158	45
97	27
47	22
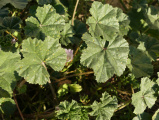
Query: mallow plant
56	65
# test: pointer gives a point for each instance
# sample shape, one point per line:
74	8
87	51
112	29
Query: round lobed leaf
104	110
8	76
106	58
46	23
145	97
106	21
37	54
139	63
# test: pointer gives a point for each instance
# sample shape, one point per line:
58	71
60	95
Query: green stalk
73	17
51	87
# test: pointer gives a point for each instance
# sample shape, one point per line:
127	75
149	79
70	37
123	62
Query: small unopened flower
13	41
69	53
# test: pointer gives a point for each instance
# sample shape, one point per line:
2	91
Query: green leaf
105	20
79	27
104	110
69	111
84	114
149	46
106	58
7	106
123	22
10	23
4	93
158	79
156	115
145	97
42	2
3	13
139	63
152	17
5	41
20	4
22	89
63	90
46	23
135	19
37	54
67	34
153	33
143	116
8	76
139	4
75	88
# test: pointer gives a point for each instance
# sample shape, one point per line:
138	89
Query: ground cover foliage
79	60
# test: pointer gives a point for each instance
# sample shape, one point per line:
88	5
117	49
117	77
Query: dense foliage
79	60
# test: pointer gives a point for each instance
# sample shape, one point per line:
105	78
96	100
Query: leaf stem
53	92
18	106
11	35
74	12
77	48
146	30
51	87
132	89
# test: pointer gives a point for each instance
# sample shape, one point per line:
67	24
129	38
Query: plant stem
121	1
77	48
21	83
51	87
74	12
53	92
18	106
122	106
86	73
11	34
45	115
146	30
69	64
123	92
132	89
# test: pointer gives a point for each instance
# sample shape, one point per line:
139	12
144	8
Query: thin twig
123	92
77	49
146	30
61	79
74	12
132	89
18	106
11	35
122	105
21	83
53	92
45	115
121	1
51	87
